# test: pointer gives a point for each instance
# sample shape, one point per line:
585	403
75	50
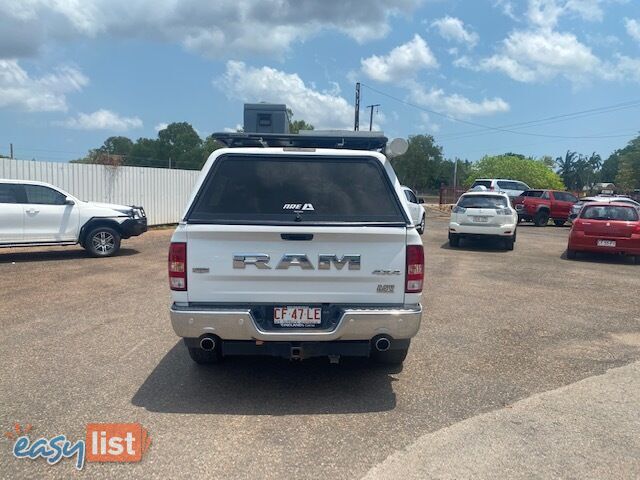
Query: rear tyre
509	242
204	357
571	254
559	222
454	240
390	357
541	219
102	242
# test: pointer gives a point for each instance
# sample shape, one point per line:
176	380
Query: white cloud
101	120
451	28
455	104
633	28
401	63
427	125
531	56
547	13
323	109
38	94
213	29
160	126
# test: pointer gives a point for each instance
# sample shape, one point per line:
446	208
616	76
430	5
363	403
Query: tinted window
545	195
11	193
296	189
482	201
484	183
44	195
521	186
609	212
410	196
507	186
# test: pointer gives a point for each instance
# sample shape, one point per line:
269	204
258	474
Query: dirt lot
89	340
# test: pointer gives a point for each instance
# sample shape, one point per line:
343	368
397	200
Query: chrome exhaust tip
382	344
207	344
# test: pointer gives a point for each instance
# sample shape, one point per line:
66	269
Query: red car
606	228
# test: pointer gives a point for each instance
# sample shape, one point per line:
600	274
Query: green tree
421	166
628	177
296	125
528	170
566	168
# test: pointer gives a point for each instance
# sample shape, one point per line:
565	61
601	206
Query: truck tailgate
213	278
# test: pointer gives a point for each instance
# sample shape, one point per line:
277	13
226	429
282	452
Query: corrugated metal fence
162	192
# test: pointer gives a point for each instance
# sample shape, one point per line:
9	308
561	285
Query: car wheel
559	223
454	240
509	242
541	219
636	259
390	357
420	228
204	357
102	242
571	254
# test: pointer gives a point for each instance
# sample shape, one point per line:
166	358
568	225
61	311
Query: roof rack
313	139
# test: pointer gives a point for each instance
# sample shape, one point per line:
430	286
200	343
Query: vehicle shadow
492	246
47	255
265	386
591	257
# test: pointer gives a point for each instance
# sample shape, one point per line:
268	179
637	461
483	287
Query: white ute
296	251
38	214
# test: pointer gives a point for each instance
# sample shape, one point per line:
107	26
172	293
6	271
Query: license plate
480	219
296	316
606	243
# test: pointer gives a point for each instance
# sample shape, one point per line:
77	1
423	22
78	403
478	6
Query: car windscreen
532	193
292	189
609	212
482	201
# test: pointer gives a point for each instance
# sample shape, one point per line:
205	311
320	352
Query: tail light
636	229
577	225
178	266
457	209
415	269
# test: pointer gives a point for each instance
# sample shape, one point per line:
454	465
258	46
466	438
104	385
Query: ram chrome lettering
261	261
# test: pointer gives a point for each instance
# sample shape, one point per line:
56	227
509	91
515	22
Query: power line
486	127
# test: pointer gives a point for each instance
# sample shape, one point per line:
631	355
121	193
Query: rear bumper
354	324
505	230
583	243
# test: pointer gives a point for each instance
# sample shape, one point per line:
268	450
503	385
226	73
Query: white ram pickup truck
296	252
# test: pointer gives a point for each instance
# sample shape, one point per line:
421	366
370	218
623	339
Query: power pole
356	122
11	151
371	114
455	174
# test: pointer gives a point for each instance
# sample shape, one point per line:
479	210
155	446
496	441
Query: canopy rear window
296	189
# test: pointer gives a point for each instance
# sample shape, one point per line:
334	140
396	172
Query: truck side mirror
420	200
69	201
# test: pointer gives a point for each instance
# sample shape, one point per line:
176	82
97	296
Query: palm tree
566	168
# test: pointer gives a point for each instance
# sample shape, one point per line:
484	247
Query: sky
537	77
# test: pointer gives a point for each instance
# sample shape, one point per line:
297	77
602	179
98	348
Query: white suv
37	214
512	188
416	209
297	252
482	214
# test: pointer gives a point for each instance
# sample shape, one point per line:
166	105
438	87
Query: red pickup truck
539	206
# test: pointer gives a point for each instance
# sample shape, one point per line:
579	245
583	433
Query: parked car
575	209
37	214
418	214
606	228
539	206
482	214
512	188
306	250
